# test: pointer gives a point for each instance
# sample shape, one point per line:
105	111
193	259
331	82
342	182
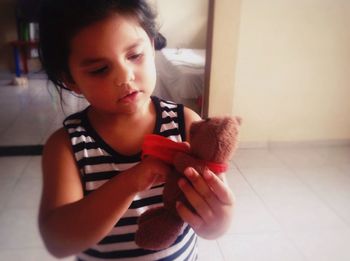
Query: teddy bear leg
158	229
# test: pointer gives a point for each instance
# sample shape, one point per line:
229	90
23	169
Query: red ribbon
166	149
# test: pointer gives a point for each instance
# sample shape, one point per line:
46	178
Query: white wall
224	57
183	22
292	77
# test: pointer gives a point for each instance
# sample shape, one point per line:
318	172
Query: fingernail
188	172
207	174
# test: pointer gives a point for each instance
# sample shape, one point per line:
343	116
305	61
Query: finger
187	144
188	216
201	186
219	187
199	204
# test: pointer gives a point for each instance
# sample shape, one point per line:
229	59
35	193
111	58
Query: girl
95	184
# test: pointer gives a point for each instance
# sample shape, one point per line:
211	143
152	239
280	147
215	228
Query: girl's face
112	65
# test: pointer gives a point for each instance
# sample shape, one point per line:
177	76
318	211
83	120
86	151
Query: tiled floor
291	203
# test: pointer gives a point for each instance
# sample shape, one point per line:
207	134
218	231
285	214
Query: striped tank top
98	163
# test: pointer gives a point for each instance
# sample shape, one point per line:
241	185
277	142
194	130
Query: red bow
165	149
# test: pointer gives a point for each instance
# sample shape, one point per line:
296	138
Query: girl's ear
73	87
69	82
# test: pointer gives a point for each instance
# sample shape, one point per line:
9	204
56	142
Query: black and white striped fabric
98	163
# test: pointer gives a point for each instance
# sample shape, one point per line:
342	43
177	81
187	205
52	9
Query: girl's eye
135	57
99	70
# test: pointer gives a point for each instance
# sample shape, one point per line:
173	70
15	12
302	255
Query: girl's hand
149	172
212	200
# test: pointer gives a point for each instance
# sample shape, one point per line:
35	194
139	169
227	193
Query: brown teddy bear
212	144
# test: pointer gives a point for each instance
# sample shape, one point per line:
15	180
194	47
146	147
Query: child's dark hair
60	20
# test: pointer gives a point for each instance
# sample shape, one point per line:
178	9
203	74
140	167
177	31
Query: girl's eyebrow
90	61
136	43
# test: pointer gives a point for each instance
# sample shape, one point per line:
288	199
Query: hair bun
159	42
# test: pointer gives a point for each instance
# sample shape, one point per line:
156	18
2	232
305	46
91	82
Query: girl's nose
124	75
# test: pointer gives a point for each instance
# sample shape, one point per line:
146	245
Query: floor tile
208	250
237	182
300	157
262	247
345	168
19	229
29	254
302	211
336	155
25	194
323	245
251	216
331	185
6	189
33	169
272	180
256	158
293	202
12	169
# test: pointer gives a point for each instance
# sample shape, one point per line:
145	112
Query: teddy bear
212	144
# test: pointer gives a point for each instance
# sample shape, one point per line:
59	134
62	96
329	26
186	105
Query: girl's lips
129	97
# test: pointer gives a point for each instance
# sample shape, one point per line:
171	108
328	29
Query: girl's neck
106	120
129	128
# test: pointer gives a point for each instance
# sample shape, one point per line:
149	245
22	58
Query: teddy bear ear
238	119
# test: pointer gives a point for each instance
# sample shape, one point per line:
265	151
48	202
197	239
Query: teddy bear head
214	139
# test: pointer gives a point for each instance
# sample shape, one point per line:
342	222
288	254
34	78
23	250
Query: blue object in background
17	62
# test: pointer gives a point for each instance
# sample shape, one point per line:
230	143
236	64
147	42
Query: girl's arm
190	116
70	223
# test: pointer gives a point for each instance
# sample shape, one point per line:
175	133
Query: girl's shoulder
190	116
60	141
57	140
